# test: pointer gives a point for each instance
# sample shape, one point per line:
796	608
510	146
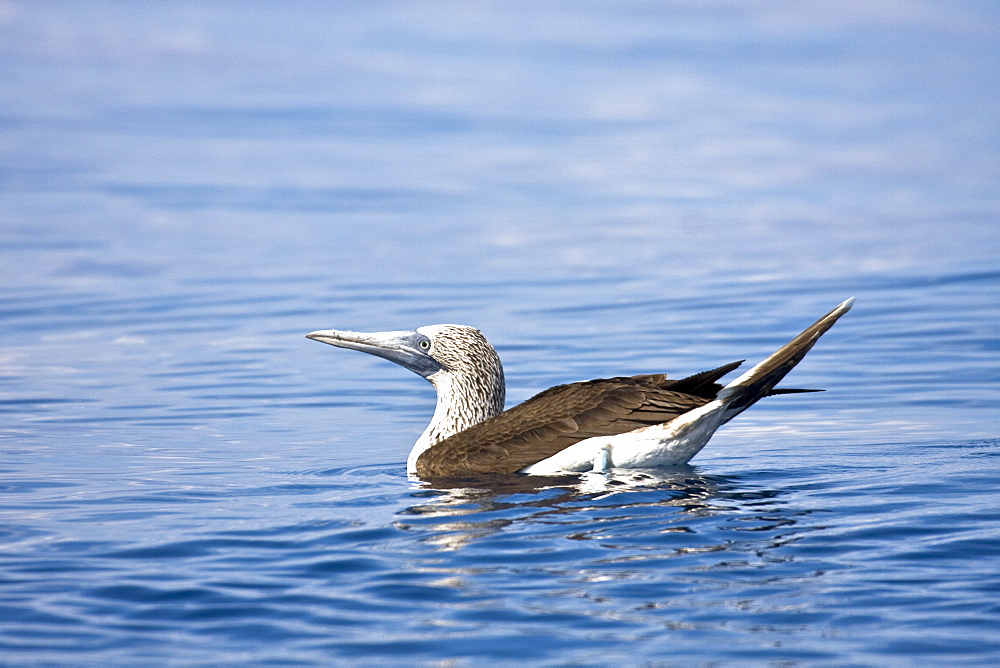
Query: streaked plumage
626	422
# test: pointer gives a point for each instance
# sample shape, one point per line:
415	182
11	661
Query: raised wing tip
837	311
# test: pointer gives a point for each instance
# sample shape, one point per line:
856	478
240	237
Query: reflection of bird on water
456	513
626	422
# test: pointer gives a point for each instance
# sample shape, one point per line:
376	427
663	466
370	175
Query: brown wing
559	417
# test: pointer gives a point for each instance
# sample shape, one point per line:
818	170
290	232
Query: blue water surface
187	188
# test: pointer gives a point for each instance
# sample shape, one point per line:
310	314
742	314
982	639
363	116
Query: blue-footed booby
623	422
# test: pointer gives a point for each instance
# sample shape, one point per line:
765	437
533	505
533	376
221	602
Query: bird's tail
759	381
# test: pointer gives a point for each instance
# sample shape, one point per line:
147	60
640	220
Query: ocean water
186	189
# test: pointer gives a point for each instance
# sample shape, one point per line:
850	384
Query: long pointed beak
403	348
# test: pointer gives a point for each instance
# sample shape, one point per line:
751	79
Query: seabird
595	425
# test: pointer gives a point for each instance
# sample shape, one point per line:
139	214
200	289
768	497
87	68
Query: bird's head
456	350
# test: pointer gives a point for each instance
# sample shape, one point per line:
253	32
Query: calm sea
187	188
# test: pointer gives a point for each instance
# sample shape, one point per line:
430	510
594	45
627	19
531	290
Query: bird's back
560	416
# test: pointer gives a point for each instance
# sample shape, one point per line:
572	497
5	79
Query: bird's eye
424	344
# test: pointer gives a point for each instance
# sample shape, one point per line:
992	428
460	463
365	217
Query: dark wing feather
556	419
701	384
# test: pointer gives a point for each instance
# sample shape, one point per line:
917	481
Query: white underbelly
670	444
